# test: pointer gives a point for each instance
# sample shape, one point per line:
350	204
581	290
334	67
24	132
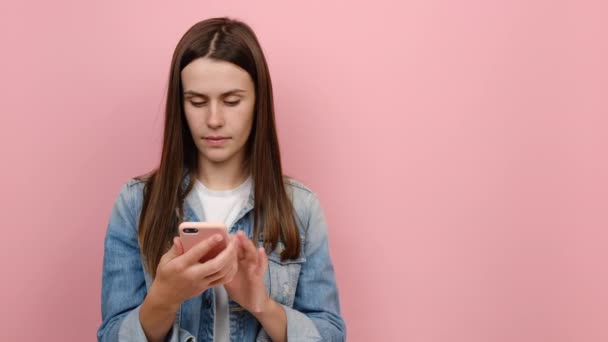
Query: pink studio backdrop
458	148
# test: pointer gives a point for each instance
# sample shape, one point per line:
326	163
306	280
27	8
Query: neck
221	176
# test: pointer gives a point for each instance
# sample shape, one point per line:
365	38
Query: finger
216	283
215	278
225	275
249	251
262	261
224	278
200	249
240	234
175	250
230	276
178	243
216	264
240	255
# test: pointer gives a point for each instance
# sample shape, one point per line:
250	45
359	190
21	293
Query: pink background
459	149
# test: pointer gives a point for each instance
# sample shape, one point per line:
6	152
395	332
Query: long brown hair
235	42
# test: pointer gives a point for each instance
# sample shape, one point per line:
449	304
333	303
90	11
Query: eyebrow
230	92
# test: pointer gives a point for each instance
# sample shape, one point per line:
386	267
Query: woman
220	162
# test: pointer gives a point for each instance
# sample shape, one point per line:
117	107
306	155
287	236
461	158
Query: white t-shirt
222	206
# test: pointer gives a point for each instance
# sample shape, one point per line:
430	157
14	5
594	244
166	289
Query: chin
217	157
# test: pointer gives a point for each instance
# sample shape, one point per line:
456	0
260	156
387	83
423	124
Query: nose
215	119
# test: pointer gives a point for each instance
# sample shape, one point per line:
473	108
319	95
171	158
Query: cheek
246	127
193	120
245	122
250	116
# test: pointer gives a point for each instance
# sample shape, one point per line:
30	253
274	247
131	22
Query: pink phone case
191	233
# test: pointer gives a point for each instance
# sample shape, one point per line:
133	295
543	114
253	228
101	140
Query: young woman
220	162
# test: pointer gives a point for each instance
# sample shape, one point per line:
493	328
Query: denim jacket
304	287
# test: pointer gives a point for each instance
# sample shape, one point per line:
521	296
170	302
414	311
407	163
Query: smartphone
191	233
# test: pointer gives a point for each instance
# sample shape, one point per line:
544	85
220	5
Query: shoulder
297	186
130	195
299	192
133	188
304	199
135	183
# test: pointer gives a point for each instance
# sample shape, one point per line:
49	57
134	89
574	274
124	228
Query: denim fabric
305	287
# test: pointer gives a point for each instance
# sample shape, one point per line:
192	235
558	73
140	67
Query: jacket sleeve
123	282
315	315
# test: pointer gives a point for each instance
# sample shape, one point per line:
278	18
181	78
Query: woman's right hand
180	276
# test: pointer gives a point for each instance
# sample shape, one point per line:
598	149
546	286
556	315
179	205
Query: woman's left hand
247	287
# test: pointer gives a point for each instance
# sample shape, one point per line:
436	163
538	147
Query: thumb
176	249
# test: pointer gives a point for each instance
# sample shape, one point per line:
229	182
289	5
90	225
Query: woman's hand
180	276
247	287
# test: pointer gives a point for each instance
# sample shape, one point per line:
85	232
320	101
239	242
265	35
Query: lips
216	140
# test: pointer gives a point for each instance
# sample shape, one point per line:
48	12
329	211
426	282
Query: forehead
211	76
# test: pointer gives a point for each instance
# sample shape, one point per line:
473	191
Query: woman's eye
229	103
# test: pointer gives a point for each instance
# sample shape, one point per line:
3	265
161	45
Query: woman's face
219	100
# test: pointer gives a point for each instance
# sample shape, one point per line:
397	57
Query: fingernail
218	238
